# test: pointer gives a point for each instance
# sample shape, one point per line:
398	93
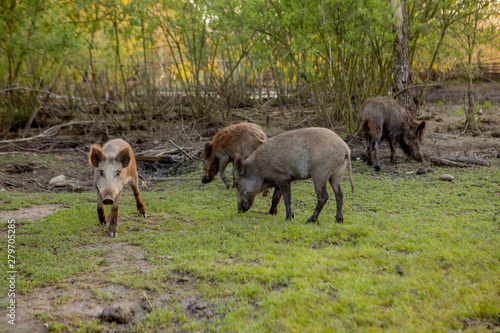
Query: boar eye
117	173
236	185
101	173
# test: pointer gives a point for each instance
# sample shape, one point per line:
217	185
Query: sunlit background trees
93	59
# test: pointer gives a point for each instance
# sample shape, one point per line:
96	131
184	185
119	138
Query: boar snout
205	179
108	201
243	207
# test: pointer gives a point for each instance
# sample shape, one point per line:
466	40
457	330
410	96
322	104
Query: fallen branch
180	149
443	161
468	160
456	161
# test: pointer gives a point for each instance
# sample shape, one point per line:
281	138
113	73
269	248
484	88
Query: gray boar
385	118
229	144
316	153
114	167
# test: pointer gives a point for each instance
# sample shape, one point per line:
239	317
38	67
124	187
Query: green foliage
331	54
257	272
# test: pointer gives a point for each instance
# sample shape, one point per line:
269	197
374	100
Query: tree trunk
402	77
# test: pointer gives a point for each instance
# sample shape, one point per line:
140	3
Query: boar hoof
377	168
113	234
311	220
144	215
339	220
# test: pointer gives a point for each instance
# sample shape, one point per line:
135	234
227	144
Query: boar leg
335	181
223	162
392	143
138	200
322	195
113	218
276	201
100	209
287	197
376	162
369	143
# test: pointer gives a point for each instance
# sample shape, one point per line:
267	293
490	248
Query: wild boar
114	167
230	143
316	153
385	118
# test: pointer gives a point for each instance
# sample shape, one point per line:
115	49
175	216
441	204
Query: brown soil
33	213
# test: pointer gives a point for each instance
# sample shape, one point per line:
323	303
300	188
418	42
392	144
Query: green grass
260	273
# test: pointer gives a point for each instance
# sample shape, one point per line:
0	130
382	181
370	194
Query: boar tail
349	165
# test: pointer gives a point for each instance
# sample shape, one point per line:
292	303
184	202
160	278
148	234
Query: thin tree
402	78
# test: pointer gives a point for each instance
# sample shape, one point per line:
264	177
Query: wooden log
457	161
467	159
442	161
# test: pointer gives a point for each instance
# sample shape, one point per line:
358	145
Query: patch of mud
120	255
81	298
32	213
197	307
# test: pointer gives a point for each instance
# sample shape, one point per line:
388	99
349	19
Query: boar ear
123	157
421	128
96	155
208	149
238	166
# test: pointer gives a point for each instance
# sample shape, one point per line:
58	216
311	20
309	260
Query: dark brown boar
114	166
385	118
230	143
316	153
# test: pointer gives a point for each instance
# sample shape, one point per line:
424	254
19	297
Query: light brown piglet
228	145
114	167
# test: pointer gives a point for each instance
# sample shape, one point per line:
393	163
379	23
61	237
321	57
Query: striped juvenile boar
229	144
114	167
316	153
385	118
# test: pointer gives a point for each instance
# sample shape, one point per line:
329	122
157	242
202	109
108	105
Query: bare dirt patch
32	213
81	297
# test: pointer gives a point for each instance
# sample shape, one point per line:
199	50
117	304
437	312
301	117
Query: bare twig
180	149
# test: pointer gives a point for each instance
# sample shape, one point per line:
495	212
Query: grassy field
254	272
